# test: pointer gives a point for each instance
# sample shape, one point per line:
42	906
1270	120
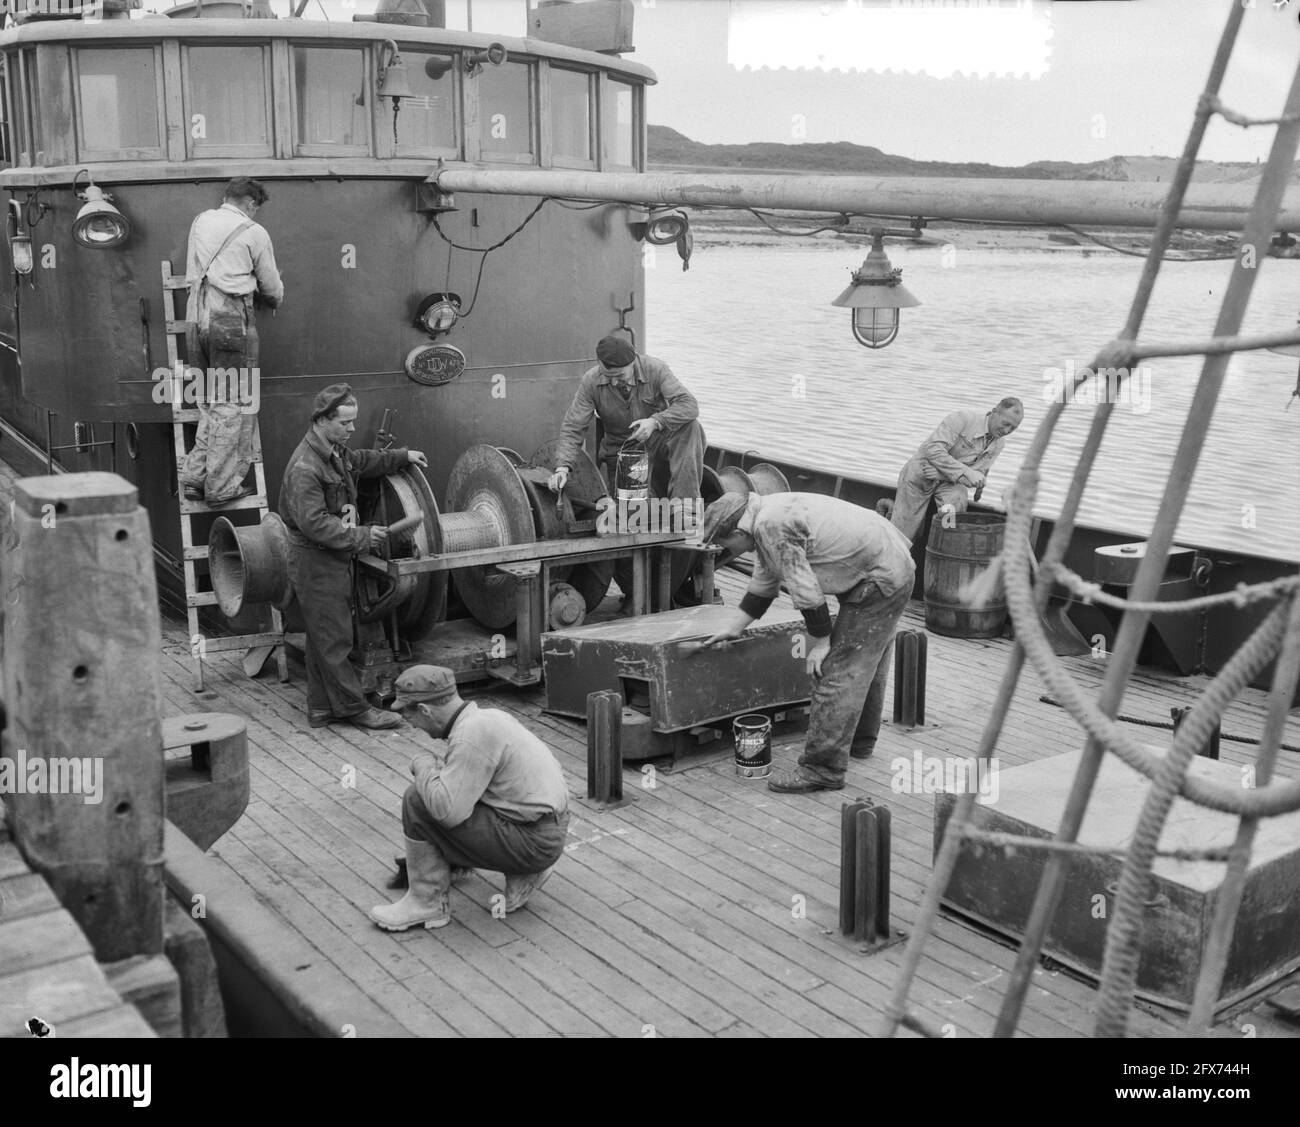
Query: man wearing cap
637	398
230	265
495	798
818	546
318	502
956	456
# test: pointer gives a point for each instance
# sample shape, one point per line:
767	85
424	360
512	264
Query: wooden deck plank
668	912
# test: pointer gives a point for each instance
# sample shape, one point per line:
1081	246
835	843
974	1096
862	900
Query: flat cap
424	684
721	518
615	352
326	400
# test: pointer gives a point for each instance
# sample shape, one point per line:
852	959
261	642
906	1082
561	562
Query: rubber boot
426	900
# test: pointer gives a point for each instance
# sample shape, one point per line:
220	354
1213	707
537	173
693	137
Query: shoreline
738	228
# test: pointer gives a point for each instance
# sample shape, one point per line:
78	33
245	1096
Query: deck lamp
20	245
99	224
438	313
876	294
665	226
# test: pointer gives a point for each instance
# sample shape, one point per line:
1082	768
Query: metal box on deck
998	889
765	668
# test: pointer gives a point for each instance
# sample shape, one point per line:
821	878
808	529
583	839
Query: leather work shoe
192	493
319	717
861	752
791	782
520	888
374	719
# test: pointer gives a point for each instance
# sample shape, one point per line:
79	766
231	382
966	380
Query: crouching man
494	799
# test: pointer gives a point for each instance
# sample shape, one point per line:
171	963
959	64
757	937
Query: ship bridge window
119	103
227	91
17	129
618	129
571	118
6	128
331	98
505	102
426	123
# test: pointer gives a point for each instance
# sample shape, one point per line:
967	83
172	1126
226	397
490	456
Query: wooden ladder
257	647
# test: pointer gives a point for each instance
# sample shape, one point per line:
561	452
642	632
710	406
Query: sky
1003	81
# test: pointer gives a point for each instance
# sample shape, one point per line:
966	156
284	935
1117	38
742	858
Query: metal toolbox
997	886
649	654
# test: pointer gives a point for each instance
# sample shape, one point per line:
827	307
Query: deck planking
672	915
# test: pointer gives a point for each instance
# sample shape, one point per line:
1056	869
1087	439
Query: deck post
604	746
909	678
1210	750
83	757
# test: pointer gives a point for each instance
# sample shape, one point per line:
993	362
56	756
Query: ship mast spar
1210	207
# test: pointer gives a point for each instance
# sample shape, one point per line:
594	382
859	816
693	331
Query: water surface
752	333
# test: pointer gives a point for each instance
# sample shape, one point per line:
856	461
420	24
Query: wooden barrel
953	557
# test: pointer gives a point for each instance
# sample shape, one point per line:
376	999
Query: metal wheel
586	485
768	479
736	480
486	507
420	600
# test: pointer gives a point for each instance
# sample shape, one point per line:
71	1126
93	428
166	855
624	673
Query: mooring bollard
909	678
865	833
1209	750
604	746
82	646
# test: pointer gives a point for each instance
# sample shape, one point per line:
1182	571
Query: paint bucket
753	736
632	474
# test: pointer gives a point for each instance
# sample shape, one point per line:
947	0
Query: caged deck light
20	245
99	224
876	294
438	313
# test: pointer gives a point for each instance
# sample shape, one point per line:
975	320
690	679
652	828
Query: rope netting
1277	637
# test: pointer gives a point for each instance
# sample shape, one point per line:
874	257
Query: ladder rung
202	599
175	282
242	642
257	501
185	415
199	553
178	326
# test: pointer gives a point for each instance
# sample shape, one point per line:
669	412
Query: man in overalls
817	546
318	501
229	263
957	456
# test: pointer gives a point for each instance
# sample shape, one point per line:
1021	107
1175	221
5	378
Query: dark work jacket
318	494
656	394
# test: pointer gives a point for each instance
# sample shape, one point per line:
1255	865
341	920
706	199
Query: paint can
753	736
632	474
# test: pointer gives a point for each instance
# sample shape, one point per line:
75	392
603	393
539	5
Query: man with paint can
638	400
817	546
